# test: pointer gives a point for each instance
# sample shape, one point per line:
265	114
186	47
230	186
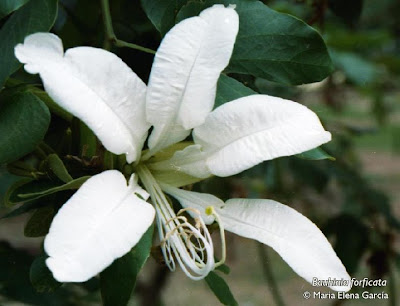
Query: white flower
106	218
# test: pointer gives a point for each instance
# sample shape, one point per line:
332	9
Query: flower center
190	245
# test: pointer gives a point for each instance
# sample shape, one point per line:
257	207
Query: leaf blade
35	16
273	45
9	6
24	120
118	280
220	288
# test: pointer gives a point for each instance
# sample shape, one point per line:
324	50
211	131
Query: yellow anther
210	210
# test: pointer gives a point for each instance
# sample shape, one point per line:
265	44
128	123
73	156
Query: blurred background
354	199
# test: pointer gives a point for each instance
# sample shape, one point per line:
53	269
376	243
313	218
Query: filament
190	245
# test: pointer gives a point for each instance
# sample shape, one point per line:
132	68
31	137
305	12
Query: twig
111	38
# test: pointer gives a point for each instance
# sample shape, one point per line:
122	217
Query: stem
265	261
111	38
105	8
121	44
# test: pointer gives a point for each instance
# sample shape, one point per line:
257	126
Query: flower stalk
110	34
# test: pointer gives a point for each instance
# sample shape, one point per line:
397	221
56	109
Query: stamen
190	245
211	212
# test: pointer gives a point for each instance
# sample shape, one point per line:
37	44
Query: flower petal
95	86
249	130
296	239
191	160
102	221
196	200
185	72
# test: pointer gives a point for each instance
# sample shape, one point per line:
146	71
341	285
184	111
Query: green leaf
53	106
36	189
272	45
358	70
162	12
9	6
223	268
24	120
118	281
9	196
228	89
57	167
220	288
41	277
39	223
56	200
315	154
35	16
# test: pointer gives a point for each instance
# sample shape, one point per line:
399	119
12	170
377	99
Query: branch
111	38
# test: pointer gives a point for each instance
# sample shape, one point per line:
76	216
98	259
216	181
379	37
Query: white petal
185	72
95	86
249	130
190	160
196	200
296	239
102	221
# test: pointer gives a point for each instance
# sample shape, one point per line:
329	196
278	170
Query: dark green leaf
36	189
274	46
35	16
9	6
53	106
220	288
315	154
56	200
24	120
118	280
223	268
9	197
41	277
39	223
57	167
162	12
228	89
